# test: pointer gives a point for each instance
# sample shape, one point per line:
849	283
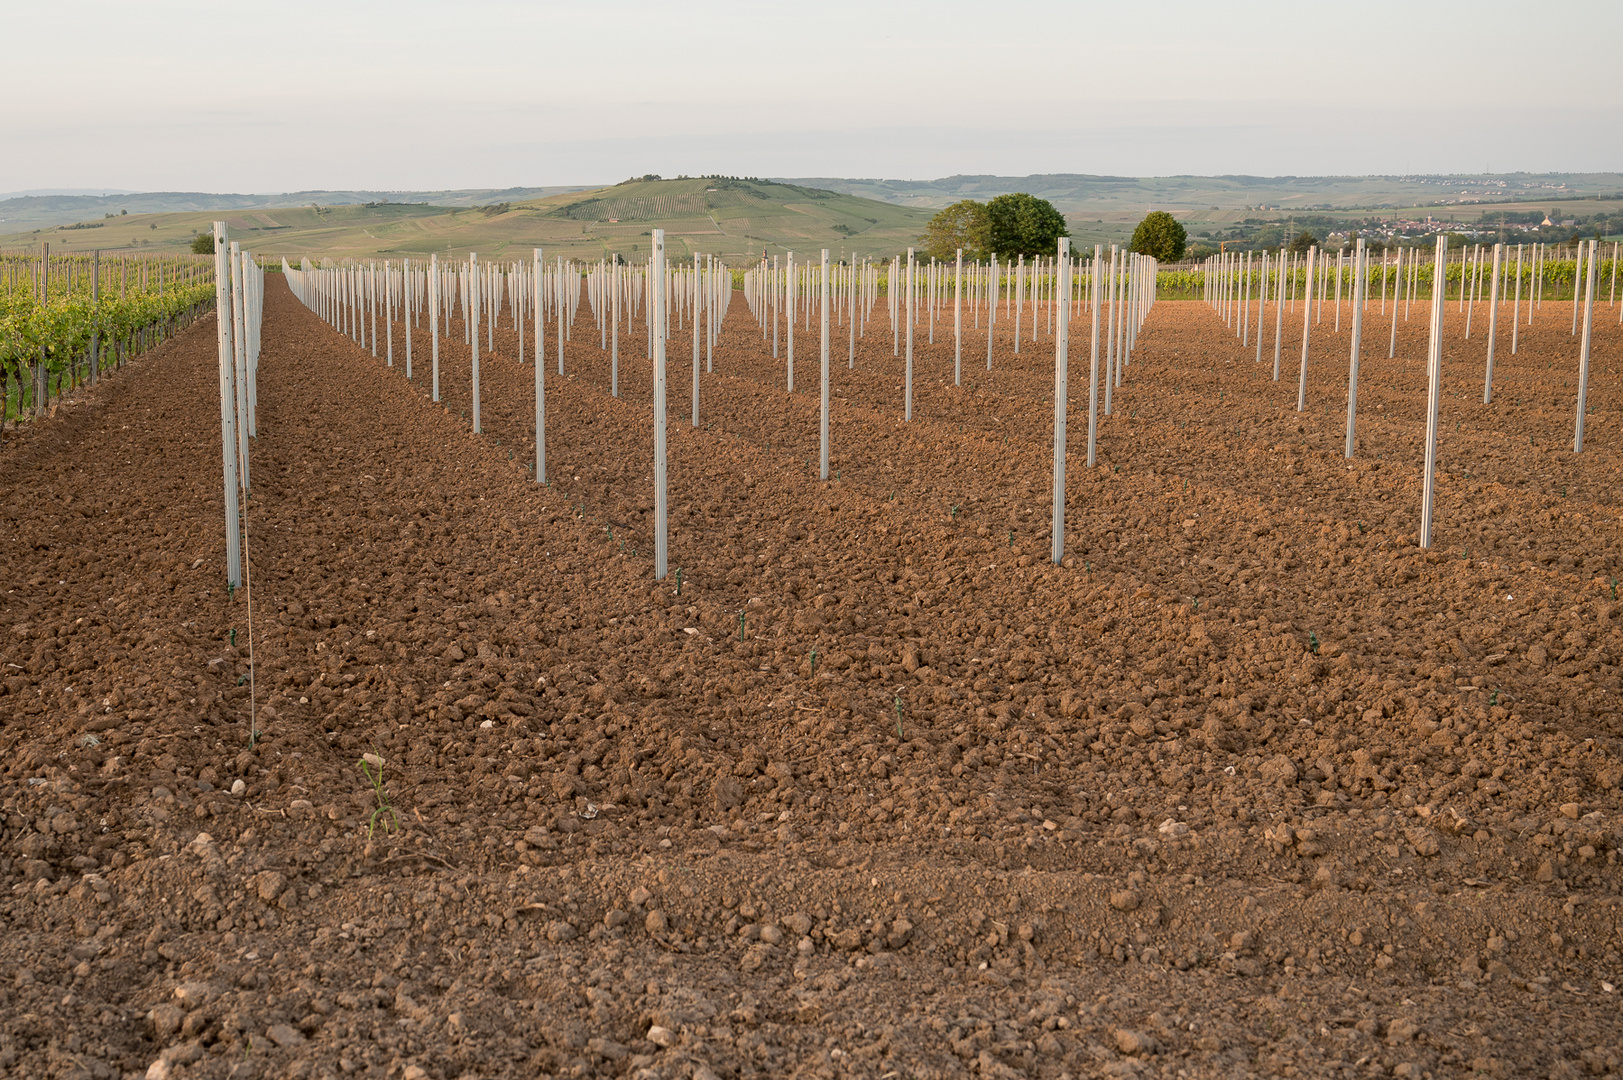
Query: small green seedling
898	716
1493	698
1313	643
384	810
740	624
233	637
954	514
814	663
1360	526
1011	538
678	581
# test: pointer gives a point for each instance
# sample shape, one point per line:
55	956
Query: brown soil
1250	786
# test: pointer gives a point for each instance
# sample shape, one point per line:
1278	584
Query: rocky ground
1251	785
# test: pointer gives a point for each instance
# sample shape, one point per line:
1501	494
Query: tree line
1017	224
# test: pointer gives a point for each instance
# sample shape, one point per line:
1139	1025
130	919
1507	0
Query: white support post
540	372
434	319
239	351
1093	371
1359	284
1493	324
908	409
1583	349
1062	330
1307	326
658	306
1279	308
473	330
789	313
958	321
1434	394
228	411
823	425
698	312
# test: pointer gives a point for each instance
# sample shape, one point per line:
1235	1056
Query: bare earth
1250	786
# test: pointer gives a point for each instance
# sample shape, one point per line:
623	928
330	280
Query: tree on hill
1303	241
964	224
1160	236
203	244
1022	224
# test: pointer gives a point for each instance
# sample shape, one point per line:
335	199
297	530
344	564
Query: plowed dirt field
1251	785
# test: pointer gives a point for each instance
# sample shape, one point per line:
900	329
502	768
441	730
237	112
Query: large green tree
1022	224
1302	242
1161	237
964	225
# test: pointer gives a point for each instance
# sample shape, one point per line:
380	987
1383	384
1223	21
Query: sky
231	96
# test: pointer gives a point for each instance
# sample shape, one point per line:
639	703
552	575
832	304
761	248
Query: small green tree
1160	236
203	244
1304	240
964	224
1021	224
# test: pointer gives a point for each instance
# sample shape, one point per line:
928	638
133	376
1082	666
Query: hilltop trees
1160	236
1009	225
964	224
1022	224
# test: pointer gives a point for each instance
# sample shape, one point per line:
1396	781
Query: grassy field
737	219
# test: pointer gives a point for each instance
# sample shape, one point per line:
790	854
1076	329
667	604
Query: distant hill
737	219
1083	194
28	210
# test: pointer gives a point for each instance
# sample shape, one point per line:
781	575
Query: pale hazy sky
225	96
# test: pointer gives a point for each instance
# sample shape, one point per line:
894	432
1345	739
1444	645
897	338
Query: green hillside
736	219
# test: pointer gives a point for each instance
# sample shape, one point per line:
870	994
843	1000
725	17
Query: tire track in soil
695	832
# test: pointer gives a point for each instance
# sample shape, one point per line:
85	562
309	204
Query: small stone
661	1036
194	995
1570	810
655	923
799	924
1425	841
238	787
414	1072
1401	1030
202	842
727	792
639	896
1125	899
269	884
1134	1043
1279	769
285	1035
771	935
165	1020
848	939
560	930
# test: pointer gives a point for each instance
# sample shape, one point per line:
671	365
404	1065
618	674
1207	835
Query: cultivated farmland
1249	784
